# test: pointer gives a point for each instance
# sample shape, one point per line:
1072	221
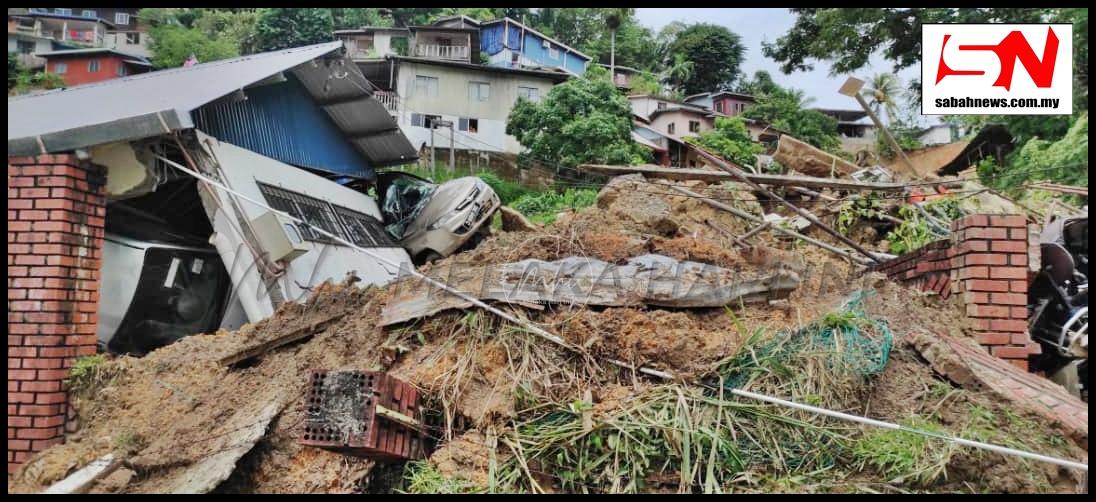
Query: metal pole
886	133
432	162
452	154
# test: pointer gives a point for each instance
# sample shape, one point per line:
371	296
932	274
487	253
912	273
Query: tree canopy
716	54
284	28
208	34
731	140
583	120
786	109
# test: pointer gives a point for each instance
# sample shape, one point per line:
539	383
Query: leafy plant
543	207
86	374
904	457
278	28
422	477
731	140
27	81
583	120
867	206
128	442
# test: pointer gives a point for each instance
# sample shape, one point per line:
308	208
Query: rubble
518	414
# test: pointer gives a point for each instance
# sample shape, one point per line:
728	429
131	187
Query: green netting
854	341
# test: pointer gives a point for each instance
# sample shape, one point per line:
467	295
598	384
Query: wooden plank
82	480
707	176
295	335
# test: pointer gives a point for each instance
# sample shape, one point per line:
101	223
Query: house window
423	120
360	228
515	59
553	53
661	105
93	66
63	12
445	41
88	13
719	106
133	37
694	126
121	70
60	68
121	18
470	125
479	91
671	127
530	93
24	47
426	86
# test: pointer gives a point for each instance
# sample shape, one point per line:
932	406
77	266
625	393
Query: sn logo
1014	46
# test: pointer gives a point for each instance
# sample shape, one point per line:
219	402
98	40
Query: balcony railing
452	52
390	100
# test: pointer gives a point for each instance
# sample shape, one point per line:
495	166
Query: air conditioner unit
279	237
546	44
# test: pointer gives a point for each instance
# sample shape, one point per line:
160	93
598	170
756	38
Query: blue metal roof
282	122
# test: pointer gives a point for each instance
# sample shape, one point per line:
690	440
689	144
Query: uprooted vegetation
515	413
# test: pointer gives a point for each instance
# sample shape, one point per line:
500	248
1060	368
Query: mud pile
484	377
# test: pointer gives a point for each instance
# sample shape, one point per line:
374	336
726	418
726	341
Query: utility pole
452	150
852	88
433	126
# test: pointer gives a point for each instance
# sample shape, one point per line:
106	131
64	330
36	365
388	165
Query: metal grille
363	230
314	211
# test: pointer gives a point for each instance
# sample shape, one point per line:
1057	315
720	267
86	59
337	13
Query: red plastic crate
340	415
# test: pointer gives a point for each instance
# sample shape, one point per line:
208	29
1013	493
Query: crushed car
433	220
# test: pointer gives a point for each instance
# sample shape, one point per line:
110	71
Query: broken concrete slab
82	480
654	280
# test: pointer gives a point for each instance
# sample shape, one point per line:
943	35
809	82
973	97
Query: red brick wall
56	211
986	261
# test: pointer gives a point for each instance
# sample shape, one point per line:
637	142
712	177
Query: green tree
716	53
1062	161
413	16
237	26
583	120
172	44
284	28
882	94
731	140
588	30
786	109
349	19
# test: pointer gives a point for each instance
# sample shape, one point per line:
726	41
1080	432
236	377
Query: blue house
512	44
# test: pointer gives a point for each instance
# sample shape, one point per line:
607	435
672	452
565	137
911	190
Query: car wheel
428	256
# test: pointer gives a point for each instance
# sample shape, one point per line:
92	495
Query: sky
766	25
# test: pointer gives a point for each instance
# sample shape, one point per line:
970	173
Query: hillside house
449	39
622	75
728	103
855	129
84	66
674	119
511	44
27	46
477	99
113	28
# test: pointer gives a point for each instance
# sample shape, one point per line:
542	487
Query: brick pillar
56	211
990	270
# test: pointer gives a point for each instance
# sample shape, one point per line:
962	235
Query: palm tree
613	19
680	71
882	94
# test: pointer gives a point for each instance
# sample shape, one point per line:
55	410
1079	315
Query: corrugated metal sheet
282	122
78	117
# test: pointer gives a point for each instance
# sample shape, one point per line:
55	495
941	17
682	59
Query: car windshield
404	199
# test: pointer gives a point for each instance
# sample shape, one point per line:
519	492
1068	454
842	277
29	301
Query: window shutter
463	124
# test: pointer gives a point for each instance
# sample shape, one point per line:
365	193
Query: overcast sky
766	25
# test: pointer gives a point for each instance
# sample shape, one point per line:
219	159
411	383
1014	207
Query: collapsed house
146	208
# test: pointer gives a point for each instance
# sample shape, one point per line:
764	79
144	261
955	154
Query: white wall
241	168
452	103
936	136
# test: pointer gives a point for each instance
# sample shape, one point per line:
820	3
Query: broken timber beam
730	168
747	216
761	179
741	241
297	334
